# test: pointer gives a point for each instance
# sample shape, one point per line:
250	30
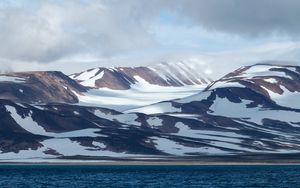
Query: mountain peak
39	87
122	78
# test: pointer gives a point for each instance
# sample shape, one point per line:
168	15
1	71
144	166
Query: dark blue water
150	176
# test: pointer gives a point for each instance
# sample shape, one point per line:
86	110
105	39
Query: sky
74	35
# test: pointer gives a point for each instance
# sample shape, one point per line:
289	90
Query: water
150	176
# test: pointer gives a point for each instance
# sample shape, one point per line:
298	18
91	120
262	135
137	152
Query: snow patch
12	79
154	121
174	148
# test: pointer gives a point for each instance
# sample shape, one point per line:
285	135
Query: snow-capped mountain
279	83
271	86
123	88
259	103
253	110
119	88
121	78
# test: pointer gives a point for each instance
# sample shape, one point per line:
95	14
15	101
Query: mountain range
169	111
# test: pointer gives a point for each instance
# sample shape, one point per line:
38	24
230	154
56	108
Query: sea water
226	176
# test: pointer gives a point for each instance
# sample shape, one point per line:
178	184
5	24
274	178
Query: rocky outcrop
39	87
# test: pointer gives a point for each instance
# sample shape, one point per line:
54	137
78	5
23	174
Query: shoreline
250	159
147	163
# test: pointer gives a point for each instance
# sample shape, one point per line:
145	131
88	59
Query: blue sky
77	34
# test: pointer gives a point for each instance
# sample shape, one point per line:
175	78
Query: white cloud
51	31
215	64
79	34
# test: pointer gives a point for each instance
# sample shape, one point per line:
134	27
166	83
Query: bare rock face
122	78
39	87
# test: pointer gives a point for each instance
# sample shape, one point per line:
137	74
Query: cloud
64	33
217	64
53	30
214	64
246	18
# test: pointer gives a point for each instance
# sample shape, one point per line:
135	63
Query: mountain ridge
243	113
121	78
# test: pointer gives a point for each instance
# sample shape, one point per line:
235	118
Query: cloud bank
52	31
